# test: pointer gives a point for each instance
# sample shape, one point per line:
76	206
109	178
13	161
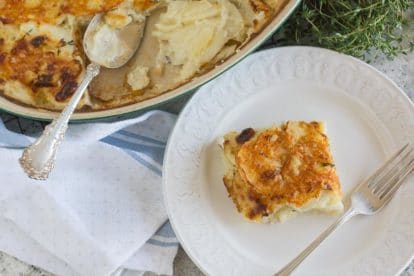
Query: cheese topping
287	169
125	13
50	11
43	58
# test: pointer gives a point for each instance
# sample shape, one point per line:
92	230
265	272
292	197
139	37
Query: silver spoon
38	159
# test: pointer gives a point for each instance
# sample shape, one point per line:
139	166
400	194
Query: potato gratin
276	173
41	55
42	61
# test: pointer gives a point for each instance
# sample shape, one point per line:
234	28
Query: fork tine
389	193
394	170
385	168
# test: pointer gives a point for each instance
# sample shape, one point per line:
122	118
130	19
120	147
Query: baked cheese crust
41	56
40	64
50	11
278	172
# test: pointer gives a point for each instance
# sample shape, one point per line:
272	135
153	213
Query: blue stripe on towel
164	236
140	137
154	152
135	141
166	231
144	162
162	244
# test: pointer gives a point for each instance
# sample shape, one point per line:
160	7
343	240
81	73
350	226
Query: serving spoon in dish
104	46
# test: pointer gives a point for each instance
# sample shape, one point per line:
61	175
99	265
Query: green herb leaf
350	27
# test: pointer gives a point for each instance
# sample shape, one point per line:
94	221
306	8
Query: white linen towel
99	211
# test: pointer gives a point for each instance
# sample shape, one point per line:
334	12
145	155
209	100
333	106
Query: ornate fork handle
290	267
38	159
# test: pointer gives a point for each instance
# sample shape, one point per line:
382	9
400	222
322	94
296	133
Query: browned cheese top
278	166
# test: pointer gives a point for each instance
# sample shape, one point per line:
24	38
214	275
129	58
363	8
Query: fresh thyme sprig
350	26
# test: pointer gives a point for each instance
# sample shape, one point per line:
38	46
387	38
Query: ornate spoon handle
38	159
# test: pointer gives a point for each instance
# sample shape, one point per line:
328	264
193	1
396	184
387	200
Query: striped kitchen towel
101	210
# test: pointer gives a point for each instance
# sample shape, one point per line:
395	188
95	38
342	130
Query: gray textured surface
401	70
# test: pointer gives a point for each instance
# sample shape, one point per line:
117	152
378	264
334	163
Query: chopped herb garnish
349	26
28	32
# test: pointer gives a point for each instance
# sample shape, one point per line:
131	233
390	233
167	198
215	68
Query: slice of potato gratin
276	173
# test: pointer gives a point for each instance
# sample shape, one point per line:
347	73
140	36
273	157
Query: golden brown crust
287	166
47	11
143	5
34	62
84	7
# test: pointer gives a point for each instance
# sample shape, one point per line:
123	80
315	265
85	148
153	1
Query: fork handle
290	267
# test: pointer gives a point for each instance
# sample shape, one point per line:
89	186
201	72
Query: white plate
367	117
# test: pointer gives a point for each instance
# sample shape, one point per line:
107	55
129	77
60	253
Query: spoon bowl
112	47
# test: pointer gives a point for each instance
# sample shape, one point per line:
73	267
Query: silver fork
367	199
